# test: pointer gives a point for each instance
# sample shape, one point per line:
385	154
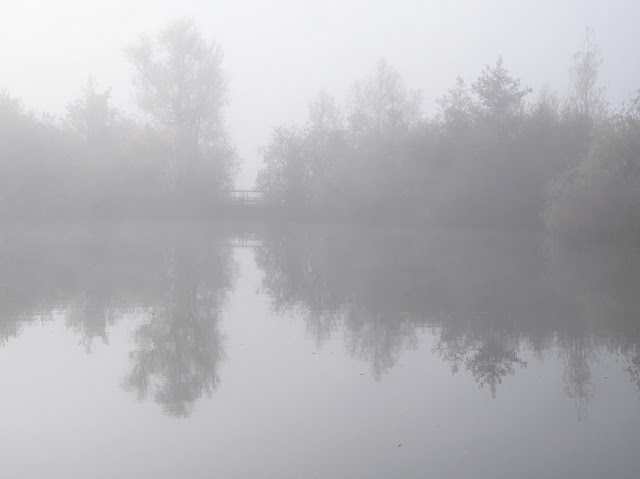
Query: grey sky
279	54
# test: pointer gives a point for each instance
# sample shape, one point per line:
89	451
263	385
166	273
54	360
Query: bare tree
382	101
324	112
586	96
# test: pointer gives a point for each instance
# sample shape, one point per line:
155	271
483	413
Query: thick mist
361	239
278	55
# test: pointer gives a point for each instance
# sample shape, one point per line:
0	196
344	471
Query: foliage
183	89
500	95
490	157
301	162
95	161
382	102
483	160
599	198
586	97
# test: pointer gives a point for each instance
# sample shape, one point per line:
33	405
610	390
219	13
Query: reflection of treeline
486	297
379	287
174	281
491	156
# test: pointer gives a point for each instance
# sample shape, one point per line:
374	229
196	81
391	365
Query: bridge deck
247	197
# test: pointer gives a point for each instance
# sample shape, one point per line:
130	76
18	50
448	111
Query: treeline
492	156
172	159
495	154
598	198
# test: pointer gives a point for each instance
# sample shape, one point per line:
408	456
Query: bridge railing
247	197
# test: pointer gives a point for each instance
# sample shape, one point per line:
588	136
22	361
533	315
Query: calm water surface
166	351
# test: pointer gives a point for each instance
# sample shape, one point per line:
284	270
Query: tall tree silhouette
181	85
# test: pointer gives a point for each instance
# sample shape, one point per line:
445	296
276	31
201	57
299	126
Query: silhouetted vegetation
484	160
96	161
598	198
495	155
492	156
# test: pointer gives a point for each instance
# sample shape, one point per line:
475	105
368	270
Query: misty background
278	55
303	227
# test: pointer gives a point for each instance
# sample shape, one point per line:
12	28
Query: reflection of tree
296	278
628	346
453	346
95	304
83	273
602	282
94	275
488	350
493	360
634	367
299	273
89	317
342	280
374	288
180	347
577	353
378	339
321	324
380	286
177	359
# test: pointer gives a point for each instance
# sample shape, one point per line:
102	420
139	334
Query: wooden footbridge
257	204
251	204
248	198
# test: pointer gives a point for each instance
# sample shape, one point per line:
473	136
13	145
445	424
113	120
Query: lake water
179	350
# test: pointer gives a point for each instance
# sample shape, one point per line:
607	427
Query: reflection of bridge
246	240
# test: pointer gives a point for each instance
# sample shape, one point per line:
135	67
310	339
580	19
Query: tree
327	147
546	107
500	95
285	174
300	162
323	112
90	115
182	87
597	199
587	98
382	101
457	108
